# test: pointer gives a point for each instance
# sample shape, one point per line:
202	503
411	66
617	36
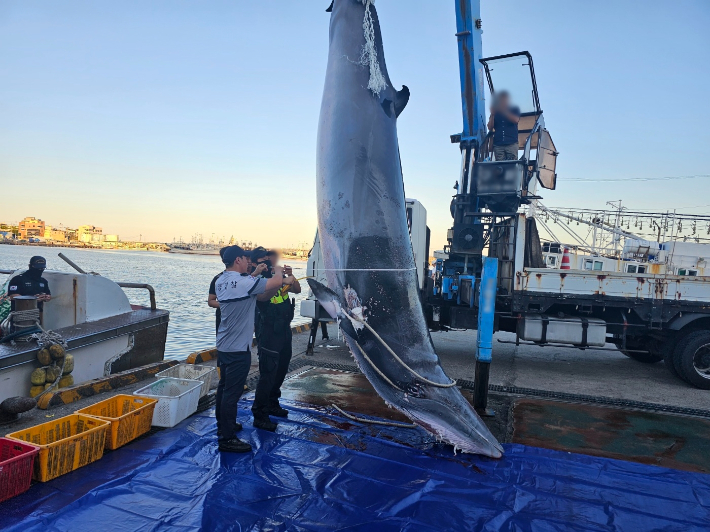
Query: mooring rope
379	372
374	421
412	371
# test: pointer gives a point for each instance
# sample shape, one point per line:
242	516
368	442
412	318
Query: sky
170	118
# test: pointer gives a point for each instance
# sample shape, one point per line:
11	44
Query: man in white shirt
236	292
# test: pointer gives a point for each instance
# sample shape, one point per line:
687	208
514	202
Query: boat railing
150	289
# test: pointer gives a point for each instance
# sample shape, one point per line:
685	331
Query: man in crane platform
273	333
504	122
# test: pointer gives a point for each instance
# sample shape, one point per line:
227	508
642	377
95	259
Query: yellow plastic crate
129	415
65	444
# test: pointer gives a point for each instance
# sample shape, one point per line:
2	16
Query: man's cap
38	262
232	253
222	250
259	253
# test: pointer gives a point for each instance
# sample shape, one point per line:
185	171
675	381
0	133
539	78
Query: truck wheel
693	359
654	355
670	360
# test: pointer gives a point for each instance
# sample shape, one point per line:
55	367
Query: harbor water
181	285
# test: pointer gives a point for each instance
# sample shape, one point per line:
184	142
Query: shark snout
445	413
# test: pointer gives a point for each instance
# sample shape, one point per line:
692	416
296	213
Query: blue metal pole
486	323
468	32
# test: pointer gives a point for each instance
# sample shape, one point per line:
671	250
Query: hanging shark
369	265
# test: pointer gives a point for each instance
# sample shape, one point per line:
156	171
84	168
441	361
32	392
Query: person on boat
212	297
274	339
31	283
236	292
504	123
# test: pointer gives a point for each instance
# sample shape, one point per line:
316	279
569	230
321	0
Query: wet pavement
330	376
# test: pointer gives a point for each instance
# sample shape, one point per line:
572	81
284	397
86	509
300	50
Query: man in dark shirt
31	283
273	334
212	298
504	122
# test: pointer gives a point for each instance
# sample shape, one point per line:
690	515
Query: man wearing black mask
273	334
31	283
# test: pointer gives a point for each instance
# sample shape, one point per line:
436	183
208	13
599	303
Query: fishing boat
104	332
195	249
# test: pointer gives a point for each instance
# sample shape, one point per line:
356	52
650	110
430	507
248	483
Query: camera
268	272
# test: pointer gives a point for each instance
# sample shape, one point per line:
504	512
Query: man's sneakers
265	423
234	445
278	411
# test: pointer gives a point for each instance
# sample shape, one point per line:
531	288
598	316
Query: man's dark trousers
274	358
233	371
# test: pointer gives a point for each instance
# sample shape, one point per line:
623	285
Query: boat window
595	265
685	271
554	248
551	261
631	268
641	269
545	247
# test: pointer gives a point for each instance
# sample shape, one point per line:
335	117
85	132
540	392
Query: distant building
31	227
111	238
89	234
55	234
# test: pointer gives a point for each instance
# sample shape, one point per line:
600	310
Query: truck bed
614	285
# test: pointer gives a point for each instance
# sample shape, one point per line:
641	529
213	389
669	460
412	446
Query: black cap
222	250
259	253
38	262
232	253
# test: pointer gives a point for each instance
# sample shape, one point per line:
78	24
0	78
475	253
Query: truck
649	314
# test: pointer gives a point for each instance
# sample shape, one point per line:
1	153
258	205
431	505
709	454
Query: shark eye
414	389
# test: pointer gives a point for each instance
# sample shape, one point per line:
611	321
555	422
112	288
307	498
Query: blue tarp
321	472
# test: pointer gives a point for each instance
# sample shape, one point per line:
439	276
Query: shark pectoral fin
400	101
328	299
330	9
333	305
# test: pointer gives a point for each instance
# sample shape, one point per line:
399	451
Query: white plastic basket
177	399
191	372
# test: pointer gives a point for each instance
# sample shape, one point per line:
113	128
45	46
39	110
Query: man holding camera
236	292
274	337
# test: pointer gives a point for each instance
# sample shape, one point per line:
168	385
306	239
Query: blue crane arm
468	33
